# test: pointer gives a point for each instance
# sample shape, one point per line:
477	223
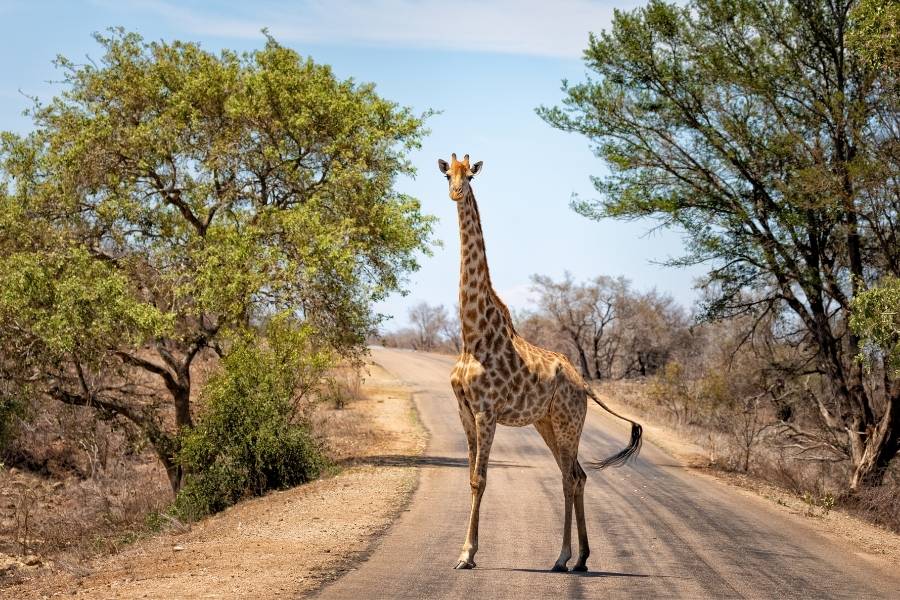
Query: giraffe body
520	381
502	378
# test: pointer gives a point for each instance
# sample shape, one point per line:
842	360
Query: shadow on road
396	460
572	573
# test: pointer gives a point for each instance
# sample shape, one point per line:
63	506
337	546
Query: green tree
755	128
876	319
170	197
251	436
875	34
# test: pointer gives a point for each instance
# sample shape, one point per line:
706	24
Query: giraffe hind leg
584	550
545	428
568	480
567	419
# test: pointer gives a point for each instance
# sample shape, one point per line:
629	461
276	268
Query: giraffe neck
482	315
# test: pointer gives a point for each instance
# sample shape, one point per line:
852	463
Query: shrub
250	436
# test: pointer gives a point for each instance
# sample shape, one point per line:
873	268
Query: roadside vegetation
766	132
765	135
190	247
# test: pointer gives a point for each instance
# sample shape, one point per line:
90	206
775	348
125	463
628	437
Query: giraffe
501	378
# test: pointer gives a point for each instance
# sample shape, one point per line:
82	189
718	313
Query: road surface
656	530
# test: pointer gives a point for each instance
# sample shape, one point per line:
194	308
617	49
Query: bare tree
651	326
428	323
607	328
569	306
605	295
451	330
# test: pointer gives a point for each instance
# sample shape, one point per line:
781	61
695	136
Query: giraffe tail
630	451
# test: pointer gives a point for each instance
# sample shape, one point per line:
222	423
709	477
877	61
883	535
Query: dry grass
90	493
78	488
879	505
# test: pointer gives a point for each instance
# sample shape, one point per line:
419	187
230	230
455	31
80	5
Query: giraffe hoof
580	568
465	564
559	569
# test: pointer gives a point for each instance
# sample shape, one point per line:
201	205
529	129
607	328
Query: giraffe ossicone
500	378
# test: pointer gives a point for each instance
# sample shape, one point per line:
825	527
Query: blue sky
484	65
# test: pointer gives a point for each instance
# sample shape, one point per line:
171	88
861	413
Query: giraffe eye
448	177
469	177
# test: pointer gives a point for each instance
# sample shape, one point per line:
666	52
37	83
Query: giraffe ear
476	167
443	166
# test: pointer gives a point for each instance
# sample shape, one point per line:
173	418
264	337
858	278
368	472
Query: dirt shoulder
868	540
285	544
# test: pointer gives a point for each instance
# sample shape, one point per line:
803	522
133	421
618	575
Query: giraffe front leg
485	425
468	422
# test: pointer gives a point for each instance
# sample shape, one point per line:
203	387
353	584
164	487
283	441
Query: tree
651	327
566	304
585	315
429	323
171	198
756	129
607	328
452	331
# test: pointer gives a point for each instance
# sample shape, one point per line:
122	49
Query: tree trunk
880	447
583	362
182	398
166	448
575	337
174	471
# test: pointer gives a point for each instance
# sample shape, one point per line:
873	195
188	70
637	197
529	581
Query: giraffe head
458	174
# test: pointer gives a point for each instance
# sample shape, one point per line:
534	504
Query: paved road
656	530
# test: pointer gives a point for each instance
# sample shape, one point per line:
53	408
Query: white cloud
533	27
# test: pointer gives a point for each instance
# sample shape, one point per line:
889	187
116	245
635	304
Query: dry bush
742	437
342	385
880	505
341	429
75	518
87	485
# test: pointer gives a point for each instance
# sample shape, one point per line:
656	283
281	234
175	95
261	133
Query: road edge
377	538
864	539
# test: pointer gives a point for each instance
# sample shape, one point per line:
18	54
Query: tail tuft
617	460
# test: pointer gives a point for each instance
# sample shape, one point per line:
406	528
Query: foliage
250	437
73	304
753	127
876	33
876	319
170	198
